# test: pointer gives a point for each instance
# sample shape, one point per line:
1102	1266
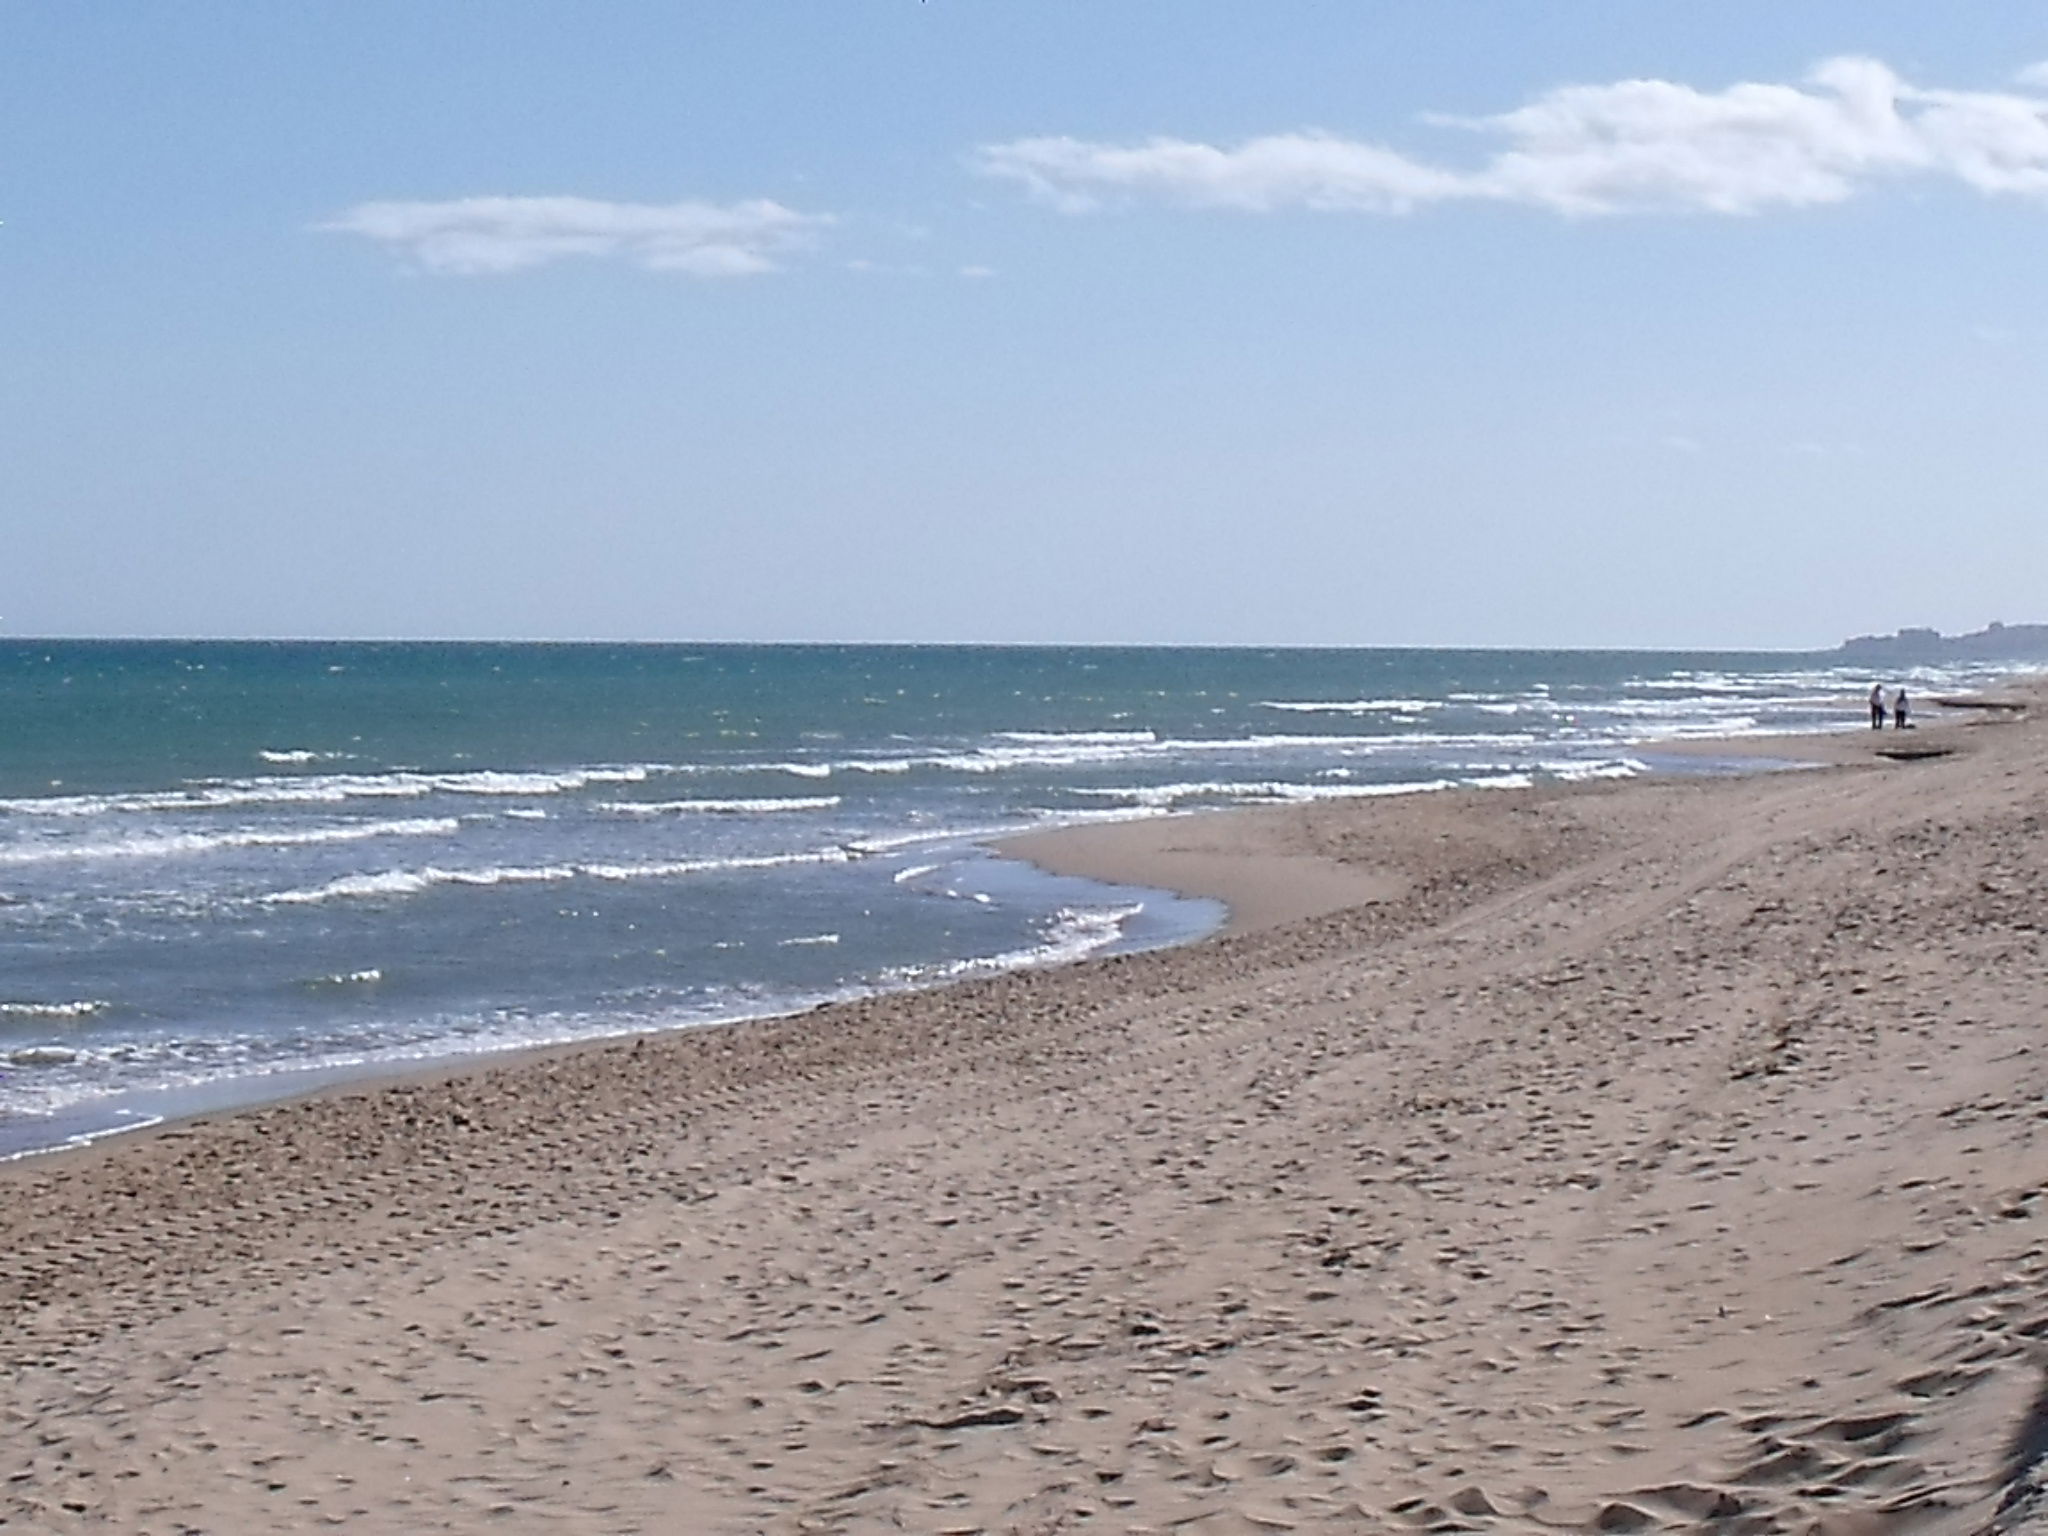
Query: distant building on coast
1995	642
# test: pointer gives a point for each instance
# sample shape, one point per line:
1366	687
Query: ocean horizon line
1477	648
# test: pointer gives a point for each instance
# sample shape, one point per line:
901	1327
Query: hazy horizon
1184	645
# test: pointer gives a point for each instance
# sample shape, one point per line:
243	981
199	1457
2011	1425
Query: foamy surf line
170	845
328	789
762	806
410	882
1226	793
84	1008
1353	706
1023	751
1077	933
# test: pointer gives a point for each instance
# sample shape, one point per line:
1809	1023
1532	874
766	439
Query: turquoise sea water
227	869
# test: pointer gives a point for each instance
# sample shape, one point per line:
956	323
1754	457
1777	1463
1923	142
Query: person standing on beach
1899	722
1877	706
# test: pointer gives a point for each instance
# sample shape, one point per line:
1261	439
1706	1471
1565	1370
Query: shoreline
1204	855
1266	866
140	1113
1652	1138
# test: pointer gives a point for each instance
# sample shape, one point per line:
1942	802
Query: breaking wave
1075	933
765	805
171	844
410	882
83	1009
327	789
1353	706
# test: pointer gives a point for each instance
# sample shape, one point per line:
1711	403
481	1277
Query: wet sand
1268	866
1656	1155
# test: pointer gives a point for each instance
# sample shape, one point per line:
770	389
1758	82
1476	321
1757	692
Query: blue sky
1178	322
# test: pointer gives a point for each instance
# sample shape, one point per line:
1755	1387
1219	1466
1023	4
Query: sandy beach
1624	1156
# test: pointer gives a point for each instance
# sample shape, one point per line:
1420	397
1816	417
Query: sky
1162	321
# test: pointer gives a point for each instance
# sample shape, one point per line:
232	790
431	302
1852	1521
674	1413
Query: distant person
1877	706
1900	713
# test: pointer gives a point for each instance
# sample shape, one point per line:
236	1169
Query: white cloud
1635	146
1288	170
475	235
870	268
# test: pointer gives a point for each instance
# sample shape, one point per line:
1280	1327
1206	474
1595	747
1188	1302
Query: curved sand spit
1656	1156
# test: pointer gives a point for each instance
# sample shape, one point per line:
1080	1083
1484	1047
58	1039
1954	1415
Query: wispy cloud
1634	146
481	235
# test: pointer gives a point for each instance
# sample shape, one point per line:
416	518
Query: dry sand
1657	1155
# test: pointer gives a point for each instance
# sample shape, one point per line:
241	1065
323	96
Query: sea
232	871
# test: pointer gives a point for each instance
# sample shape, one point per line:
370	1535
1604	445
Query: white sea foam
1084	754
82	1009
1260	791
1360	745
1090	738
1022	751
1009	759
1353	706
406	882
894	842
410	882
663	870
762	806
1680	730
42	1056
327	789
167	845
1075	933
363	978
913	872
1283	791
808	939
1066	816
1498	781
1605	768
